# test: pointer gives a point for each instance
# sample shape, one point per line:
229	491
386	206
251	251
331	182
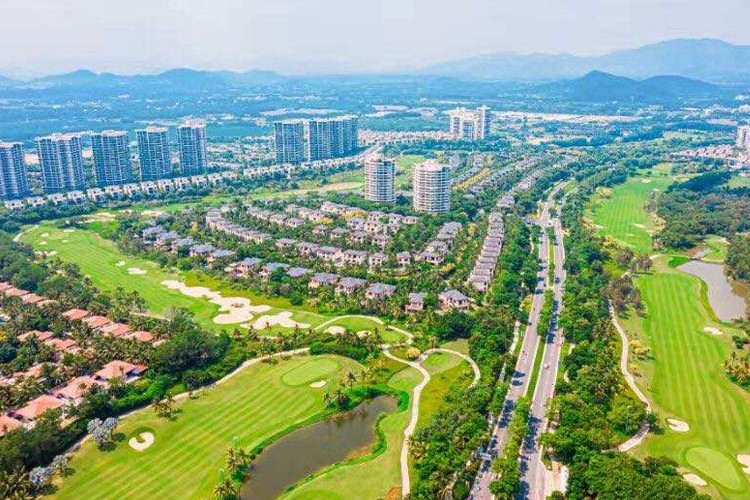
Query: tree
226	489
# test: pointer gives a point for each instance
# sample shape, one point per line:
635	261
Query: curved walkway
409	430
639	436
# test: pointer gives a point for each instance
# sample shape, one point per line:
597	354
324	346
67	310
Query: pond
310	449
725	302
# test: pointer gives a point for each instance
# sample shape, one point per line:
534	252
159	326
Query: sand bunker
745	461
136	270
639	226
45	235
153	213
283	319
713	331
146	440
336	330
68	230
646	181
318	384
363	333
42	242
695	479
52	253
678	425
233	309
120	263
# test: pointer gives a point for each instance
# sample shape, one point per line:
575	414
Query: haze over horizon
337	36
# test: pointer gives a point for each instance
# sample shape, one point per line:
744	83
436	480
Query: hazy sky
301	36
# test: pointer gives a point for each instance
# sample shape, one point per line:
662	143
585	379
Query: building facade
379	176
112	164
743	137
470	125
13	181
331	137
153	153
191	139
432	187
61	163
290	141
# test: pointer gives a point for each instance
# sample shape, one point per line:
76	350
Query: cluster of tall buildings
61	159
743	137
471	125
315	139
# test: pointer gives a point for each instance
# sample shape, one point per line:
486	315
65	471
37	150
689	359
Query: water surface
725	302
307	450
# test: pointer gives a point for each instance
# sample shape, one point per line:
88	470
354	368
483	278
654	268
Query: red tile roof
118	369
77	387
115	329
75	314
96	321
140	335
36	407
32	298
7	424
14	292
60	345
40	336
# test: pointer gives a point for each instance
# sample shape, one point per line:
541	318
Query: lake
725	302
310	449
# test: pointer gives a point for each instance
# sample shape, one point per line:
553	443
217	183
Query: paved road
519	381
533	472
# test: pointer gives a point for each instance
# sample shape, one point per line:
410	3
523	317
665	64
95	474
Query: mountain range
703	59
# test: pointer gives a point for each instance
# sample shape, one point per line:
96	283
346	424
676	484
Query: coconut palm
226	489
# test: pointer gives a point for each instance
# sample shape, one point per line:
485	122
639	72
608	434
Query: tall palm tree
226	489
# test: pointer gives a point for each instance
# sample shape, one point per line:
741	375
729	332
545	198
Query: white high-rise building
153	153
743	137
13	181
379	175
432	187
331	137
191	139
471	125
290	141
111	158
61	162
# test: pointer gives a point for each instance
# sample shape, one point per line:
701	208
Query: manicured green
739	181
447	371
685	380
185	459
312	371
109	269
619	213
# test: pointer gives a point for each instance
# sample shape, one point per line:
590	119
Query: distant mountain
598	86
181	77
705	59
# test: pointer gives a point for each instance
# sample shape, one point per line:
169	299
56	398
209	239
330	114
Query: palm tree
351	378
234	464
226	489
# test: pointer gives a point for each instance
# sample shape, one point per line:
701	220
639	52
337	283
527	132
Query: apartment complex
290	141
153	153
467	124
61	162
111	158
316	139
13	180
432	187
191	139
743	137
379	176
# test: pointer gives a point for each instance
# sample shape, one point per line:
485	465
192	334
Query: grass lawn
373	478
620	214
685	380
109	268
715	247
447	371
738	181
187	453
404	166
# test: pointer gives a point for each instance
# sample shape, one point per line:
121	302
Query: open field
621	215
684	379
188	452
371	478
404	166
738	181
447	371
109	268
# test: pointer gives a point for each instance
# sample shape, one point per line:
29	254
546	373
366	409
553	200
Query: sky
41	37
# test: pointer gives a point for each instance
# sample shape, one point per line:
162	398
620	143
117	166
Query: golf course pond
725	302
310	449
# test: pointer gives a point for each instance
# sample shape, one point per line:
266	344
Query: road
534	474
519	382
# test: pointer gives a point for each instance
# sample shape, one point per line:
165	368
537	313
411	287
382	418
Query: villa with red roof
8	424
115	329
75	314
76	388
120	369
37	407
95	322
